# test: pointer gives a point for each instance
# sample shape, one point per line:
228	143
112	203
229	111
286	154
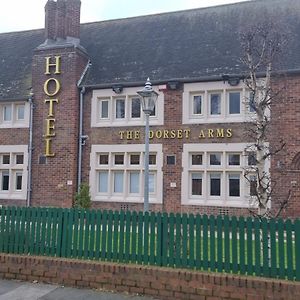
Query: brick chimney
62	22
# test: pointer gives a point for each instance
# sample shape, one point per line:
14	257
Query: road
17	290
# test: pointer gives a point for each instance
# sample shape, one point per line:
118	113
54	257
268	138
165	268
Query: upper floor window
14	114
215	102
110	109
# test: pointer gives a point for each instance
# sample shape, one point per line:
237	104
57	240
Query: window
252	158
196	159
234	185
20	112
197	105
215	184
7	113
119	176
13	172
215	159
252	102
135	108
5	159
5	180
234	103
120	108
196	183
15	114
110	109
233	159
19	159
215	104
213	175
253	185
104	109
19	178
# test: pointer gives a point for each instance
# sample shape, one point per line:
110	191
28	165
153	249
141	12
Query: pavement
17	290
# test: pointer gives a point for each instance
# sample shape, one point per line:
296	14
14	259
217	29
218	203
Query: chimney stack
62	21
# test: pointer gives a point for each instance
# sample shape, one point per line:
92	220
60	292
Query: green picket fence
268	248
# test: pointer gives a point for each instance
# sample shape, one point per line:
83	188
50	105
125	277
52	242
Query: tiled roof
182	45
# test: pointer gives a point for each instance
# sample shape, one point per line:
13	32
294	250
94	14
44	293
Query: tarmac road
17	290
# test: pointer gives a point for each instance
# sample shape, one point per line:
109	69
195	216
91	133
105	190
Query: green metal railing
268	248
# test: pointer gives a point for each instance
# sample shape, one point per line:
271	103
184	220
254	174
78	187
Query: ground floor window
117	173
213	174
13	172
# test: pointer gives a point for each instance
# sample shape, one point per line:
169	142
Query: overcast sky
18	15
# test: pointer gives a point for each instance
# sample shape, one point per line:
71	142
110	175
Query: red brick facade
54	179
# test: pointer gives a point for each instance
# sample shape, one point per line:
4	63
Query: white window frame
127	168
216	87
244	200
127	94
14	121
14	169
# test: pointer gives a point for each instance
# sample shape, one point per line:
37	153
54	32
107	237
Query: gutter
81	138
242	76
29	189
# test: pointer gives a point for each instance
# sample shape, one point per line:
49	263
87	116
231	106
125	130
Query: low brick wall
162	283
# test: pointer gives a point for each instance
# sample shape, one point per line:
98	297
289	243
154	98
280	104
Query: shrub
83	197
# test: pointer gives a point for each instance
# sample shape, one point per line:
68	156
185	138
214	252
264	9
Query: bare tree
261	46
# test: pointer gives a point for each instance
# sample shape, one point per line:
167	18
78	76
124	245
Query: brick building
69	111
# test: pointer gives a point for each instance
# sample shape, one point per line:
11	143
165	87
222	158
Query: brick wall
162	283
50	179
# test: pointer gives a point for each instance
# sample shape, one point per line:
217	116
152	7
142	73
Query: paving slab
17	290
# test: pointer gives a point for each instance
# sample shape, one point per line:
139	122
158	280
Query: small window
197	105
152	159
253	185
20	112
134	180
151	183
171	159
215	104
252	159
252	102
153	112
19	178
5	181
234	185
19	159
215	184
135	108
196	159
7	113
196	184
134	159
215	159
103	182
6	159
118	182
234	103
120	108
233	159
119	159
103	159
104	109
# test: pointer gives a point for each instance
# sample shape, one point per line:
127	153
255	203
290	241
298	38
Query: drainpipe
30	100
81	138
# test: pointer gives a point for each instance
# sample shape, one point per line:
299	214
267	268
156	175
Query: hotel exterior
70	113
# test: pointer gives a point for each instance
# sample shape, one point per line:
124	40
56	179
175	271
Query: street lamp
148	97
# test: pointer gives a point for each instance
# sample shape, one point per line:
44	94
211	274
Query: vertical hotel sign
51	90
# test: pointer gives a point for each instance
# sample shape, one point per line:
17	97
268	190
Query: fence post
297	246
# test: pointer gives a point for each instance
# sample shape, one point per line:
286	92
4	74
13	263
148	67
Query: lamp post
148	97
